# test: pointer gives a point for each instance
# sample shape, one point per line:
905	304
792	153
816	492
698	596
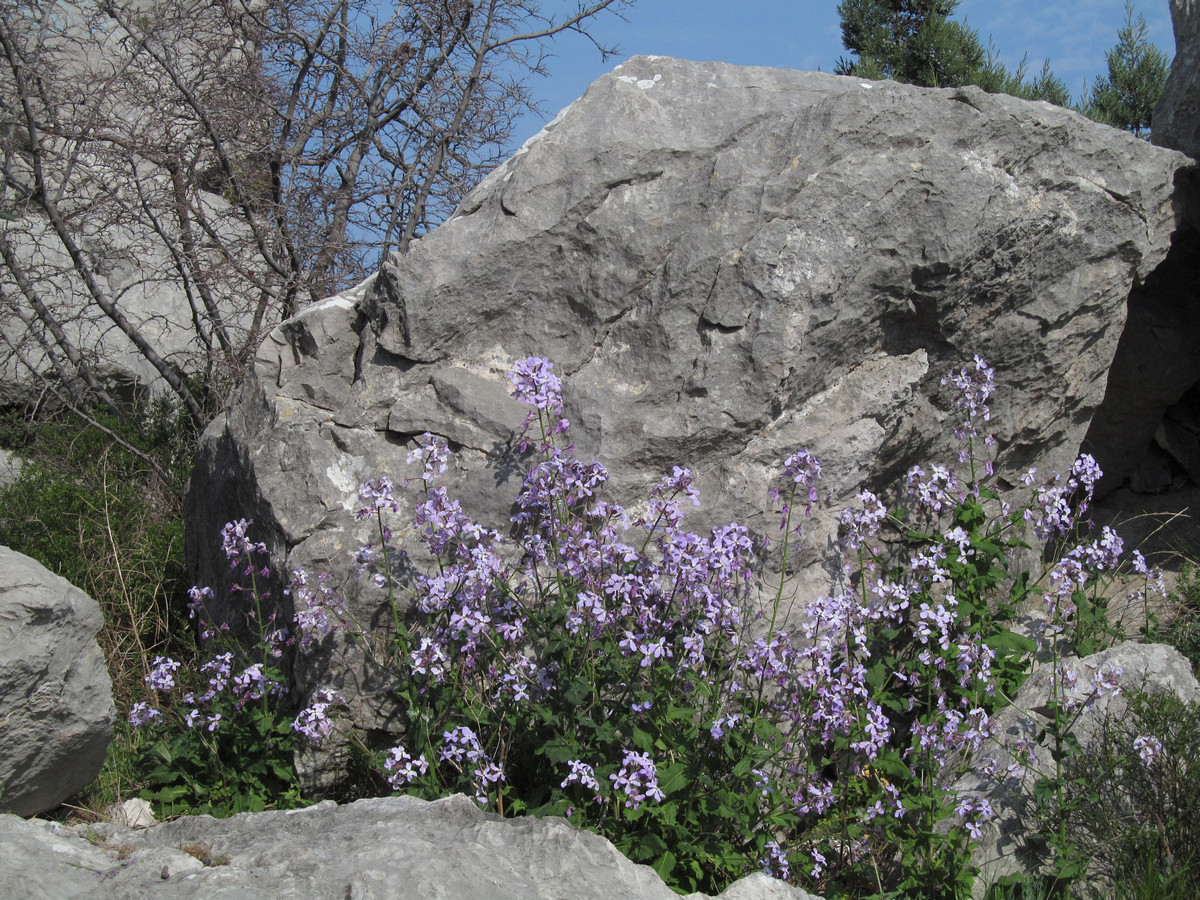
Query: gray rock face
1177	113
725	264
396	848
54	688
1155	668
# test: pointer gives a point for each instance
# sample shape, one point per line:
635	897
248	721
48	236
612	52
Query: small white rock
136	813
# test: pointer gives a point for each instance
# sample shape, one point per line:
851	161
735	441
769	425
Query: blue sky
806	34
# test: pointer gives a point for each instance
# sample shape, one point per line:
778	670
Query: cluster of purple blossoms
433	453
460	747
1105	682
860	524
582	774
143	714
974	811
536	385
1060	504
402	768
938	491
974	384
668	599
376	495
218	669
637	779
198	600
319	609
162	674
775	861
1148	748
315	722
239	549
803	470
253	684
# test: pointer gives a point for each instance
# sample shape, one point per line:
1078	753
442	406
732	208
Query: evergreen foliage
1137	72
917	42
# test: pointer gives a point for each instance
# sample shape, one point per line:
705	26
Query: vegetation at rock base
710	743
616	672
92	506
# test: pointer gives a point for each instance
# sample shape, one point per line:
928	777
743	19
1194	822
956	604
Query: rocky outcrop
397	848
1176	117
725	264
54	688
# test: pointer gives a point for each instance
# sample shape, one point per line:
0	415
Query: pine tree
1137	71
916	41
908	40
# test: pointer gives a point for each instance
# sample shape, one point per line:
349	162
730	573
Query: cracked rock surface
397	848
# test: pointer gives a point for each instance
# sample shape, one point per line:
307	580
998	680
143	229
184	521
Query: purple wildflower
1148	748
402	768
433	452
238	547
534	384
162	675
143	714
314	722
375	495
774	861
637	779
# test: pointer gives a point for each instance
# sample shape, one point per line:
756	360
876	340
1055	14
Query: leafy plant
619	673
615	668
1182	631
222	742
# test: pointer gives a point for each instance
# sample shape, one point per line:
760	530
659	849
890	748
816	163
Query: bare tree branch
225	161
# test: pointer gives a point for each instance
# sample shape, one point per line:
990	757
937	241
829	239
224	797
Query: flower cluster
592	661
239	549
1148	748
637	779
314	722
252	683
402	768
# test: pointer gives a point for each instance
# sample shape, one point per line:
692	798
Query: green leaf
665	865
673	778
1009	640
578	692
642	740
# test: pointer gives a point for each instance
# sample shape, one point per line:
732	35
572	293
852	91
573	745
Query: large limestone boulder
397	848
1177	113
725	264
55	688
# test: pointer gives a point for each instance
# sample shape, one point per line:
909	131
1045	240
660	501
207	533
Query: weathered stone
1177	114
1149	667
54	688
135	813
1157	360
396	848
725	264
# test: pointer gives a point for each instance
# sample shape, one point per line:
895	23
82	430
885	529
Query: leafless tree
205	167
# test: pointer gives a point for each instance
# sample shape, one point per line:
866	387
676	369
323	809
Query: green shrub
1130	800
